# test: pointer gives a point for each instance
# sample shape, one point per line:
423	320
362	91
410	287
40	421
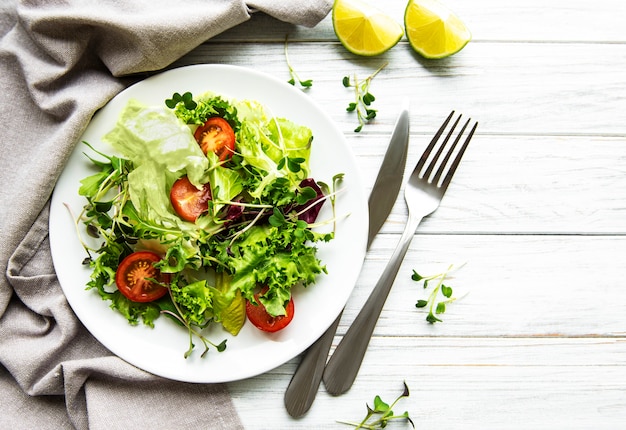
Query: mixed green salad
207	216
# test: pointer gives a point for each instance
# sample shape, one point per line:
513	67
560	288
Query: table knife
305	382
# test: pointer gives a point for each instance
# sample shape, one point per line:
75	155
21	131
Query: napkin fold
60	61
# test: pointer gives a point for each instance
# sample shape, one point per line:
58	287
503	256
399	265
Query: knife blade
305	382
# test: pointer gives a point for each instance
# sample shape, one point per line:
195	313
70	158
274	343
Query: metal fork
423	193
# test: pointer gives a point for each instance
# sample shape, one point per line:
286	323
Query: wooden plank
519	184
464	383
511	285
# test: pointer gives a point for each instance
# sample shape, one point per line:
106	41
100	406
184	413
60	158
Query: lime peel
433	30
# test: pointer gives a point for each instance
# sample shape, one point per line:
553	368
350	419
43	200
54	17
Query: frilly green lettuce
266	143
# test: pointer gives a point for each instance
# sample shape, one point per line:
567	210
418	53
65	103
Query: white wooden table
537	211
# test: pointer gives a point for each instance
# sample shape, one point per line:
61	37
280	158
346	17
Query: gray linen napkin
60	61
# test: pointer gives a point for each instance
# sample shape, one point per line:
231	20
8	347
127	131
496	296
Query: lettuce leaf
296	139
276	256
200	303
267	144
162	149
149	134
226	184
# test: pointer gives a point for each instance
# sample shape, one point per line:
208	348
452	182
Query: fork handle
344	364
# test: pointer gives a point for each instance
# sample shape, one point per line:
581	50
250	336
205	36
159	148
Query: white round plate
160	350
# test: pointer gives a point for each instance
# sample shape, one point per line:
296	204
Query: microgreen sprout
305	84
439	297
248	227
363	98
293	164
277	218
378	417
186	99
207	343
331	191
178	314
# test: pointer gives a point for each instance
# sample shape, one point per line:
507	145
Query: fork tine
444	163
457	160
433	162
432	143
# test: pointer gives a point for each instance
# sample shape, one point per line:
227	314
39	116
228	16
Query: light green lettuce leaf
162	149
265	142
296	139
150	134
226	184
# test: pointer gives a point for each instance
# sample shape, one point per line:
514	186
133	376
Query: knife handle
306	380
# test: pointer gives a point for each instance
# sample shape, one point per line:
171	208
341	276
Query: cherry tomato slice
216	135
188	201
133	277
259	317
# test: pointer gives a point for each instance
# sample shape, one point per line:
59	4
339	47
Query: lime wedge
363	29
433	30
